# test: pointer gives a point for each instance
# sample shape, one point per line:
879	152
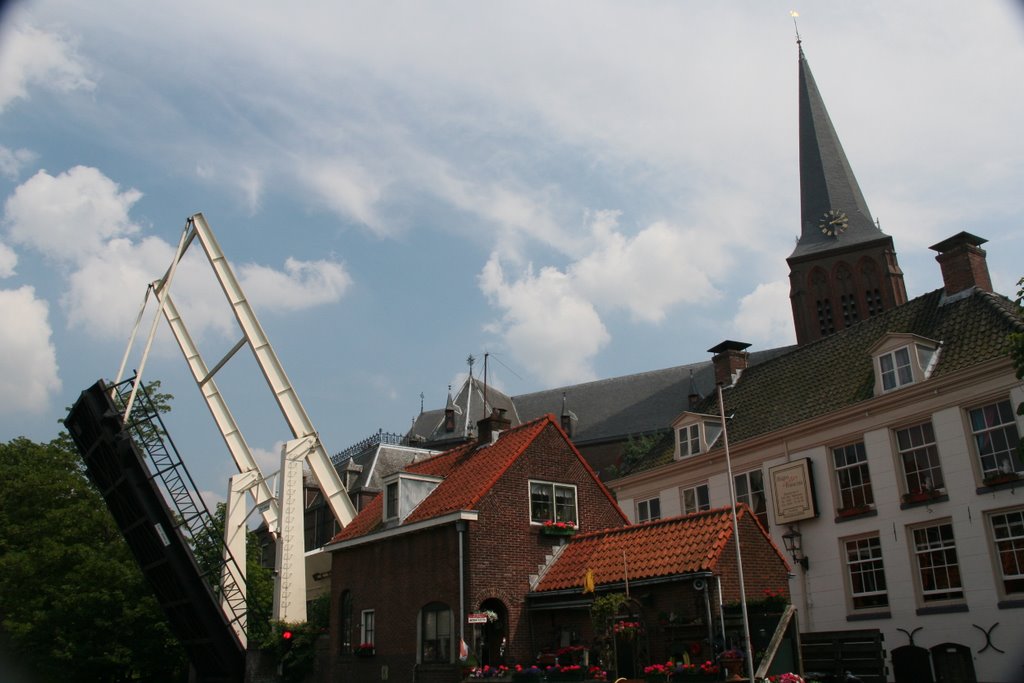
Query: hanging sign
476	618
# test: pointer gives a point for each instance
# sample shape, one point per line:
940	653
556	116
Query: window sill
907	504
1008	484
1017	603
868	616
847	516
941	609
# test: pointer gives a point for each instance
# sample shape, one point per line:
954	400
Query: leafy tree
73	604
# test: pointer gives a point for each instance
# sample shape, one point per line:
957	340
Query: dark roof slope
629	405
668	547
836	371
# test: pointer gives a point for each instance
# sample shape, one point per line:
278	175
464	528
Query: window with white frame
436	634
896	370
695	498
391	501
648	510
937	567
1007	530
994	429
866	573
367	629
750	490
919	456
853	480
689	440
903	359
552	502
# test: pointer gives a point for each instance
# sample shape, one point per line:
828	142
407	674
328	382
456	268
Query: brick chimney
963	263
730	360
491	426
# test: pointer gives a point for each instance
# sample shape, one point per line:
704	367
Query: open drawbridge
133	462
136	468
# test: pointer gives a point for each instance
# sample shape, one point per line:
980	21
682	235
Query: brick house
455	534
678	573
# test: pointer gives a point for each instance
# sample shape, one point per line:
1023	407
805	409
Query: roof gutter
467	515
607	587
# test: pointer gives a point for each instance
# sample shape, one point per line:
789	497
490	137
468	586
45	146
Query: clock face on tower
833	222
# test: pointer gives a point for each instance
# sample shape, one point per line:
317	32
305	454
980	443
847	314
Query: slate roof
836	371
469	472
376	462
688	544
826	178
474	402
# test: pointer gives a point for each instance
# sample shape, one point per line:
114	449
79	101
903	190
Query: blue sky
581	189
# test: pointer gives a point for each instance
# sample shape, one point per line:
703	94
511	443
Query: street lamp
793	540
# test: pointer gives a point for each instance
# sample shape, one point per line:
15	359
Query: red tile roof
667	547
469	472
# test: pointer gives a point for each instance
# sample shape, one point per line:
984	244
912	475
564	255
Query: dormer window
695	434
403	492
902	359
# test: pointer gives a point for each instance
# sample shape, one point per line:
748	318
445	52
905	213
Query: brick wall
398	576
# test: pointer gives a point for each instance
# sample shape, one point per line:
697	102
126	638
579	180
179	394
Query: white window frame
850	463
1001	457
699	505
901	360
557	515
933	548
688	440
1006	532
865	573
920	442
389	512
695	433
367	627
749	491
644	512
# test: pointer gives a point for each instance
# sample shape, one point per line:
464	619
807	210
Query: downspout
460	526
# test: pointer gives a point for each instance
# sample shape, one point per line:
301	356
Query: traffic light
287	640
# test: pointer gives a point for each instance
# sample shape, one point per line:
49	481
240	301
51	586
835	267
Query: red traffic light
287	635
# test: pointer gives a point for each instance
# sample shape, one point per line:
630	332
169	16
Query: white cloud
302	284
547	327
765	318
350	191
69	216
28	364
650	272
32	57
8	260
12	161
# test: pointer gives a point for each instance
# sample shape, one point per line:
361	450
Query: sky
581	190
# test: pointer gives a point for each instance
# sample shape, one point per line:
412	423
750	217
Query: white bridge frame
283	512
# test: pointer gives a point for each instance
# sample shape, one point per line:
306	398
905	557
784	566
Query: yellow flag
588	582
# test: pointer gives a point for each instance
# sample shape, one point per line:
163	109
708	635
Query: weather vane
793	13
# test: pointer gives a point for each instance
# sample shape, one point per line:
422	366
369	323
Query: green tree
73	604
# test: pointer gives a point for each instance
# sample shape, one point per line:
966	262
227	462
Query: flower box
552	528
1001	478
853	511
921	496
364	650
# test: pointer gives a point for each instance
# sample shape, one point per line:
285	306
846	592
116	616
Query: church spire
833	210
844	268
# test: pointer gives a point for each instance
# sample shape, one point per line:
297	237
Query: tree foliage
73	604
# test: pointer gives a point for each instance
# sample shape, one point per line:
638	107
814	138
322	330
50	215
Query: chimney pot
730	360
491	426
963	263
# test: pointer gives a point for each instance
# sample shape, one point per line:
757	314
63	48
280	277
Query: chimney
963	263
693	398
730	360
490	427
449	413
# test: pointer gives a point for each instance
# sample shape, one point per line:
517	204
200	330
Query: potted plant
364	650
490	672
658	673
567	672
996	478
853	510
627	630
527	674
921	495
553	528
732	661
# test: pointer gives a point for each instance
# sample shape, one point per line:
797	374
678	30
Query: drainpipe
460	526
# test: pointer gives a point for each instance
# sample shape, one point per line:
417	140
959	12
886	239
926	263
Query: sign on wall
792	491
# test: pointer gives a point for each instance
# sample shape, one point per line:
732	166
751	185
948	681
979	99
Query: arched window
345	622
436	633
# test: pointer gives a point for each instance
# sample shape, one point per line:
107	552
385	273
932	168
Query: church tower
844	267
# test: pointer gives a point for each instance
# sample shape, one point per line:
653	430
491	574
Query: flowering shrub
526	673
786	678
627	629
487	671
709	668
596	673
